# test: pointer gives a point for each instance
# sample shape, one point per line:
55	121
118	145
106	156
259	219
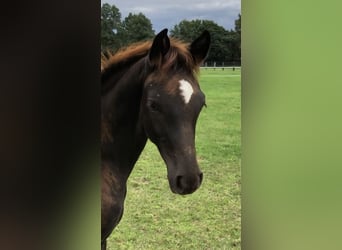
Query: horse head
171	103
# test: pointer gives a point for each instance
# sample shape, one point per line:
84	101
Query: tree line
117	32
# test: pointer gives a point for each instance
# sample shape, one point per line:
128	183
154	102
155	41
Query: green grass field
210	218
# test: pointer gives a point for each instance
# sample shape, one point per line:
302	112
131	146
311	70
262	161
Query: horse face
170	108
171	103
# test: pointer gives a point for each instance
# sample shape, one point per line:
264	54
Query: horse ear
200	47
160	46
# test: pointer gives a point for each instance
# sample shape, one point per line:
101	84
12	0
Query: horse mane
178	55
124	55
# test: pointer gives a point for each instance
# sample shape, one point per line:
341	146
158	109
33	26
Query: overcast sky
166	14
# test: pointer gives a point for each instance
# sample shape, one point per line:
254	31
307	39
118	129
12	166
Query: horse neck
120	112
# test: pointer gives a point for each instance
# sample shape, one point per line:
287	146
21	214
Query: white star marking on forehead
186	90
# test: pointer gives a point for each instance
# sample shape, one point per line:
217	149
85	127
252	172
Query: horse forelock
179	57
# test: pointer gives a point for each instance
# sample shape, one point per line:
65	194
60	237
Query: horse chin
176	190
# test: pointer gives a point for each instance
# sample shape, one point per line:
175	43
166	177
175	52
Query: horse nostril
201	178
178	182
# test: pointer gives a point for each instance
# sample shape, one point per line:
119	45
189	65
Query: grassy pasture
210	218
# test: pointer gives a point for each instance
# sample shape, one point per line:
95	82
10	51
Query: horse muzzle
184	174
185	184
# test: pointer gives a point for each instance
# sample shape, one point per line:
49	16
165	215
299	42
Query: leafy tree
236	39
189	30
136	28
110	24
238	25
225	46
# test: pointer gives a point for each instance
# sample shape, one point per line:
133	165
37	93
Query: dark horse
149	91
